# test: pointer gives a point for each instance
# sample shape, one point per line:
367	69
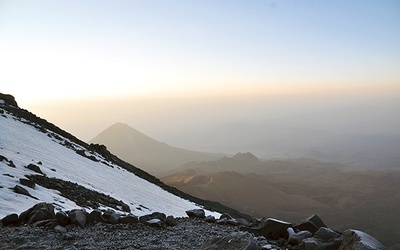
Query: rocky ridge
40	227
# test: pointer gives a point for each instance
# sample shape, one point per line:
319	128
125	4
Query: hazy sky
170	60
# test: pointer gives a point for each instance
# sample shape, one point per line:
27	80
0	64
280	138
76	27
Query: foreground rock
236	233
357	240
187	234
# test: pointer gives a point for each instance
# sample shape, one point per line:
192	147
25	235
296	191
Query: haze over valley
273	108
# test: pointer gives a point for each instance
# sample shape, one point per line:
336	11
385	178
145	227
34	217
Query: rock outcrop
276	234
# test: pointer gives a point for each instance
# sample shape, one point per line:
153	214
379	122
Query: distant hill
141	150
292	188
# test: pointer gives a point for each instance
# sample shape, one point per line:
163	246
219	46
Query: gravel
187	234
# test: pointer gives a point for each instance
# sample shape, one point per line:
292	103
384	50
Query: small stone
60	229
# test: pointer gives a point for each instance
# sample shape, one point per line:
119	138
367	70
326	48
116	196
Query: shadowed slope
141	150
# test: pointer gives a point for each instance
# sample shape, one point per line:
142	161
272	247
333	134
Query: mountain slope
26	139
292	189
138	149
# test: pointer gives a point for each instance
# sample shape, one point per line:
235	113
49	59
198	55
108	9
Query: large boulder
95	216
357	240
270	228
40	211
78	217
311	224
236	240
62	218
326	234
40	215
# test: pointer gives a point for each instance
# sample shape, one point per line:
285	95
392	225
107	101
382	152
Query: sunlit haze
177	69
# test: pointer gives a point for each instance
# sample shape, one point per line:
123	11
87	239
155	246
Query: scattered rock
60	229
40	215
10	220
270	228
95	216
237	240
196	213
27	182
170	221
155	223
225	216
62	218
78	217
114	218
210	219
311	224
129	219
297	238
357	240
20	190
326	234
34	168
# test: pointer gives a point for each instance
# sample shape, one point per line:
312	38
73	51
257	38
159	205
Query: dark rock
62	218
114	218
225	215
49	223
232	222
95	216
69	236
144	218
222	221
20	190
325	234
270	228
107	214
60	229
9	220
129	219
311	224
210	219
9	99
243	222
170	221
310	244
34	168
196	213
78	217
39	215
298	237
237	240
27	182
357	240
160	216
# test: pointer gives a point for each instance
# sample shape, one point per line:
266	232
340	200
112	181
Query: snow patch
25	144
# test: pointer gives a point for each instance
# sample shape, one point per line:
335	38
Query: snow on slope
25	144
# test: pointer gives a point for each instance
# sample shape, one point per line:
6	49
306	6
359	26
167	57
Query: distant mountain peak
246	156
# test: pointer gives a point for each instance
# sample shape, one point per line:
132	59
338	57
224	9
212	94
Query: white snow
24	144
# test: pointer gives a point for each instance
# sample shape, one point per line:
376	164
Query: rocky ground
187	234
